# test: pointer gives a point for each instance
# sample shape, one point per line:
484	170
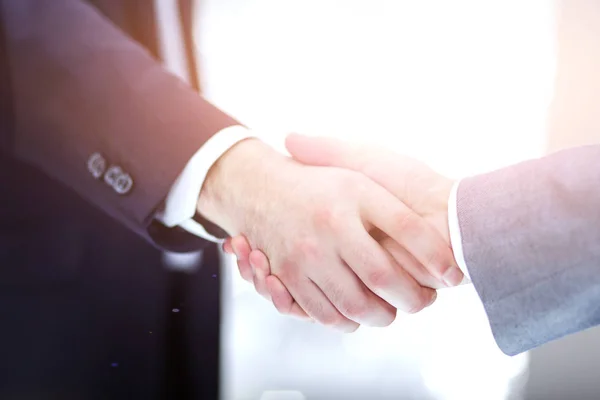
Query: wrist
232	182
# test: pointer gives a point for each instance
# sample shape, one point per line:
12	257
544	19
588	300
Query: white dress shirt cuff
455	235
181	202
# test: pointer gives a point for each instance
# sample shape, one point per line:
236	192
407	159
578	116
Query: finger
405	260
352	298
382	210
261	269
241	249
386	168
409	264
312	300
319	308
404	177
259	262
383	276
392	174
227	246
325	151
283	300
245	270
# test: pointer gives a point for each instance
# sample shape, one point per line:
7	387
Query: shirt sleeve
455	234
180	204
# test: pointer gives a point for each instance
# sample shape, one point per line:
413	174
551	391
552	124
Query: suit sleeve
531	242
75	87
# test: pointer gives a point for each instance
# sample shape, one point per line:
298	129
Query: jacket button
112	174
116	178
123	184
96	165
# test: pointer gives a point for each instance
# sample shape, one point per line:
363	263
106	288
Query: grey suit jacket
531	240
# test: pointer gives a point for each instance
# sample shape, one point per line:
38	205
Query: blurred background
466	86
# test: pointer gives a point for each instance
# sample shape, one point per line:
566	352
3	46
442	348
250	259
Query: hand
417	185
254	267
314	224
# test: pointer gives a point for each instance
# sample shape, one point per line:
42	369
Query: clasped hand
344	234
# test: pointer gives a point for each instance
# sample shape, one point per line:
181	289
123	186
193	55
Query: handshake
339	233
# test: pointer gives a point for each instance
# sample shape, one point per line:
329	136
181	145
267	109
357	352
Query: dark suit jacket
84	298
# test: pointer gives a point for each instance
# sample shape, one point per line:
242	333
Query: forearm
530	237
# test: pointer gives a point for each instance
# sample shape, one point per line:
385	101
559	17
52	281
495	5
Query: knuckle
287	270
347	180
407	220
327	218
388	243
332	289
380	278
355	309
352	184
313	308
304	249
327	316
436	259
323	218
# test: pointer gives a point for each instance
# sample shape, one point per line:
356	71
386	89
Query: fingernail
433	298
453	277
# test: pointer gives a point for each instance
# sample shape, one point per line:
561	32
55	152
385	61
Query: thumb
383	167
324	151
407	179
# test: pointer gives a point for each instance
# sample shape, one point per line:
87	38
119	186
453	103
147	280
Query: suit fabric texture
85	300
531	241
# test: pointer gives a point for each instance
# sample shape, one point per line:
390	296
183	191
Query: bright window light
463	85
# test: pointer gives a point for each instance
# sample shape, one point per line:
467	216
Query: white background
463	85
